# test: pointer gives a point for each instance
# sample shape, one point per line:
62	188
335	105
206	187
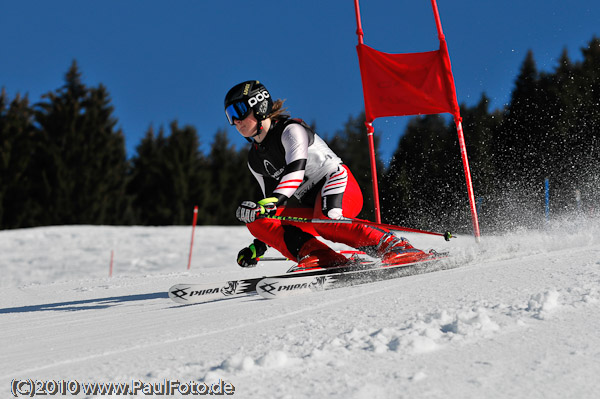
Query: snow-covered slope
516	316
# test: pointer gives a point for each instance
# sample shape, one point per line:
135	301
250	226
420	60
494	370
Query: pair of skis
311	280
284	285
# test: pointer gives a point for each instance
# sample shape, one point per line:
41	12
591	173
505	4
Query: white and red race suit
293	160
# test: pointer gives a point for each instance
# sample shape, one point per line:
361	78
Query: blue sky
163	61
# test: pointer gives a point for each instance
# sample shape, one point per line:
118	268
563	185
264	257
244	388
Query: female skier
288	158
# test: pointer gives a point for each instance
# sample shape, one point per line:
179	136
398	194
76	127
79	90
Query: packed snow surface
516	316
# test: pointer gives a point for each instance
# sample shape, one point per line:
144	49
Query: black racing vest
268	157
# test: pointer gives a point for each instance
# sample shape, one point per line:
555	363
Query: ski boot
314	254
396	251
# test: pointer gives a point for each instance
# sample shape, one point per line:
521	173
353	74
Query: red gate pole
359	30
465	160
458	122
192	241
370	130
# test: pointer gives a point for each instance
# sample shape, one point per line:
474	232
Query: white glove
335	214
247	212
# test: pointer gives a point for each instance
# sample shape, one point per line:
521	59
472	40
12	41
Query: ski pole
447	235
279	258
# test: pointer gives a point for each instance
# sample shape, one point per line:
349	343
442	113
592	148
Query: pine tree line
63	160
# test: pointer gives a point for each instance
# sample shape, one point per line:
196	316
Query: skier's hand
248	211
247	256
335	213
267	206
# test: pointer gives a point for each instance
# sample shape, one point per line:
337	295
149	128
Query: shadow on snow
85	304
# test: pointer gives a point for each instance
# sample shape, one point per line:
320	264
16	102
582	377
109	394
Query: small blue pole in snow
547	192
478	204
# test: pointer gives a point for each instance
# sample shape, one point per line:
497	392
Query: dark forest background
63	160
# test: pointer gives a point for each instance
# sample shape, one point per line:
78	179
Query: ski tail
277	287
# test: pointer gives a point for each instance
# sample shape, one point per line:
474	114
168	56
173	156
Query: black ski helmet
246	96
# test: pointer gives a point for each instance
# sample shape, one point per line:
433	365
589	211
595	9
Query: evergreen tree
147	180
587	81
552	121
518	145
168	176
558	98
17	206
424	183
81	157
107	166
186	171
479	126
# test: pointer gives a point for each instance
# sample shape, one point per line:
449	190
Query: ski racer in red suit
288	158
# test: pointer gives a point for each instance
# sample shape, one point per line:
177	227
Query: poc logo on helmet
260	97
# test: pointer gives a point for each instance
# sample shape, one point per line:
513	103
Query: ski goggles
238	110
